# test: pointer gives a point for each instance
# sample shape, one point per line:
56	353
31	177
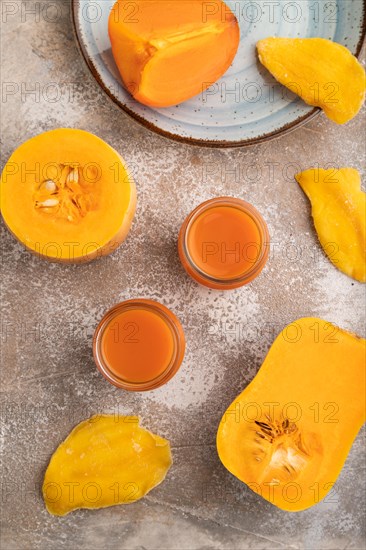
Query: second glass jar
224	243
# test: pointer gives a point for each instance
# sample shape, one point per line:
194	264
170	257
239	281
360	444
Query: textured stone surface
49	312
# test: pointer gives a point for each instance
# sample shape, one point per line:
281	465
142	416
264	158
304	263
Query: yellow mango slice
105	460
323	73
339	212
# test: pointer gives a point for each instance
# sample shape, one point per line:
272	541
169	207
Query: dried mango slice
339	212
323	73
106	460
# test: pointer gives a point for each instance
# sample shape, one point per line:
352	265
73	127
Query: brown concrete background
49	381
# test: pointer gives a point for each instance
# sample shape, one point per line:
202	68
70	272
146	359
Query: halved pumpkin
289	432
67	196
168	51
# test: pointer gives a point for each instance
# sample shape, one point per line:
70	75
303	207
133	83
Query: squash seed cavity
280	446
64	197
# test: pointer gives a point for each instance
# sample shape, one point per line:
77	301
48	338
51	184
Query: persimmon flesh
168	51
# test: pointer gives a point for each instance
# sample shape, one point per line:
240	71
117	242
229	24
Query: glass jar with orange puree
139	345
224	243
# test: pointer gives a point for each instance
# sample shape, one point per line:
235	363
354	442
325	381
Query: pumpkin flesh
67	196
289	432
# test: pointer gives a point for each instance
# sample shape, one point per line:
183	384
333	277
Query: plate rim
214	144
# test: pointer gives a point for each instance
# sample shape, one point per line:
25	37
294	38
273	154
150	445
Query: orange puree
137	345
224	242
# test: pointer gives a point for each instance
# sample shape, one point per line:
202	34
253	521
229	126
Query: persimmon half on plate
171	51
246	104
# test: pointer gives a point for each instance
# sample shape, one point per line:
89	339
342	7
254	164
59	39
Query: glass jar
224	243
139	345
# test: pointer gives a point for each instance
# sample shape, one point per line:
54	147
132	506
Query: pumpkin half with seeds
67	196
288	434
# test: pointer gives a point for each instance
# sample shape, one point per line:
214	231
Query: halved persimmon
168	51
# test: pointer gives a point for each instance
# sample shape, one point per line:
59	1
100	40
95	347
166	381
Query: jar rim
176	331
250	210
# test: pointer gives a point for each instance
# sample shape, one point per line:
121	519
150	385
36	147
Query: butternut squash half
106	460
168	51
323	73
288	434
67	196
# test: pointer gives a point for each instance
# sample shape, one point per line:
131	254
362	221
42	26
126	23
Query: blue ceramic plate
246	105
